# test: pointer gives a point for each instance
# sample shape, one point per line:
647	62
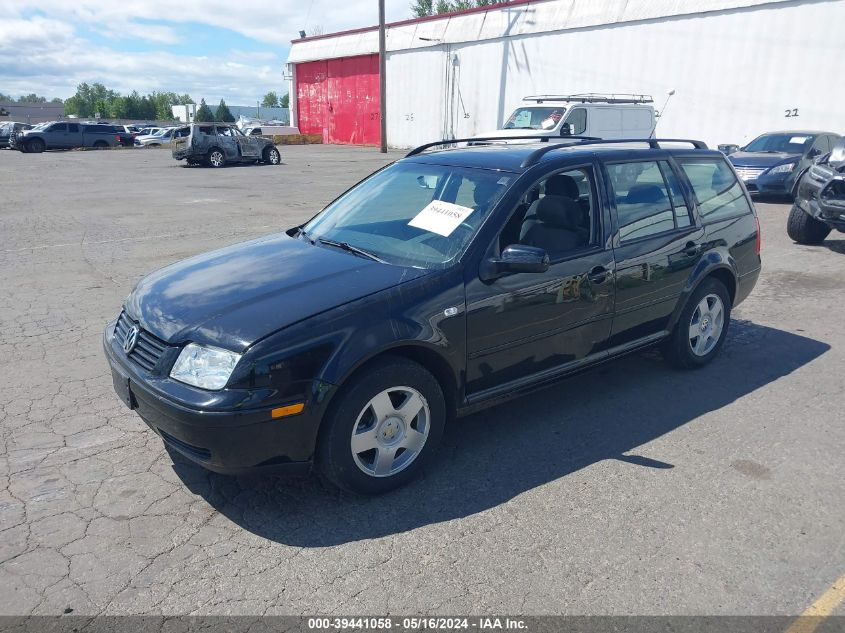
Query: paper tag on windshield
798	140
440	217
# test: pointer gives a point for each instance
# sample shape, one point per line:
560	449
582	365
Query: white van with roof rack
612	116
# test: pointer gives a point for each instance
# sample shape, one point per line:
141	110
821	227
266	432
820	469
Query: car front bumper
779	183
834	218
228	442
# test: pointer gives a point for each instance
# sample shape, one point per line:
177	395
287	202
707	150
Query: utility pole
382	81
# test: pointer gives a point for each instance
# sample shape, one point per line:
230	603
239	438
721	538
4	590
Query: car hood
761	159
235	296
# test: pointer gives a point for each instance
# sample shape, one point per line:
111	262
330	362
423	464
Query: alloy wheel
391	431
706	325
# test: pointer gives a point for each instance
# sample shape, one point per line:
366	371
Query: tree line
422	8
30	98
91	99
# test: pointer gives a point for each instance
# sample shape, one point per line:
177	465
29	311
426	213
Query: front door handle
598	275
691	249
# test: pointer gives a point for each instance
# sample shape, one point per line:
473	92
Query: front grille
147	350
749	173
183	447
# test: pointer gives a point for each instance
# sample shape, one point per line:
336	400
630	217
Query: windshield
534	118
41	126
795	143
412	214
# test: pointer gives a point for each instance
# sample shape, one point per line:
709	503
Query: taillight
117	137
759	242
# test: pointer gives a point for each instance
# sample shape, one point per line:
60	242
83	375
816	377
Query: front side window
644	204
561	216
534	118
577	121
412	214
717	191
224	131
57	127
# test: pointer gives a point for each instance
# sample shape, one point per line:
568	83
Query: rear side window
648	199
716	189
207	129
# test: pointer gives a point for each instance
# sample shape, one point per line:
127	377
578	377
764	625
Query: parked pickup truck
65	135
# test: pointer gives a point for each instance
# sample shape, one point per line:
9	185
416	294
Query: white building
184	113
738	67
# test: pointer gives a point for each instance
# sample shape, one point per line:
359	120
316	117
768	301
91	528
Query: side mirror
566	130
427	182
516	258
729	148
815	151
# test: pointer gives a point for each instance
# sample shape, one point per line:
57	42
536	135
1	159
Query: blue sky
210	49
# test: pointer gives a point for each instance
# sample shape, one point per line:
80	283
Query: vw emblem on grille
131	339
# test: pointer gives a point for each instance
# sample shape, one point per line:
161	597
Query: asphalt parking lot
632	489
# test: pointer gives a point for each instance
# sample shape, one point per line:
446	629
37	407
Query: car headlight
783	169
204	367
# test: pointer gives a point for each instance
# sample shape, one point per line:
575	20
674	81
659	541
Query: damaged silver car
820	201
217	144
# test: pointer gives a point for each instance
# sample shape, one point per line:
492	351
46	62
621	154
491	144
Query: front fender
328	348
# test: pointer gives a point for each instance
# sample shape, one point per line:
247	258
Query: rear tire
101	145
35	146
216	158
702	327
804	229
382	427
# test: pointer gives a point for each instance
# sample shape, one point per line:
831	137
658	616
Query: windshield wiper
346	246
302	233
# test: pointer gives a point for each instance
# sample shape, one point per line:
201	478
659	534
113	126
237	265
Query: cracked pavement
631	489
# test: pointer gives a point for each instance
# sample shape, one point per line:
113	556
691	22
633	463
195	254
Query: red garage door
339	99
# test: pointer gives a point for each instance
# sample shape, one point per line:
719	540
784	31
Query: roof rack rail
541	139
653	143
592	97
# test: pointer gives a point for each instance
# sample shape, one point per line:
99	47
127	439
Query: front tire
216	158
804	229
272	156
36	146
702	327
382	428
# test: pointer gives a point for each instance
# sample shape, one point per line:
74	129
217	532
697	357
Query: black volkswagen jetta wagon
444	283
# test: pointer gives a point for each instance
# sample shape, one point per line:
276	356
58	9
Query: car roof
513	157
806	132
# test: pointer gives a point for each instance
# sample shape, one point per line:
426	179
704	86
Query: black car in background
445	283
774	162
8	129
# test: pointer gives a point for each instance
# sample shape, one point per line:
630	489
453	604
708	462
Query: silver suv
216	144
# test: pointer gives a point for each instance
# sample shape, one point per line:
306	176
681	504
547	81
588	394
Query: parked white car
163	137
600	116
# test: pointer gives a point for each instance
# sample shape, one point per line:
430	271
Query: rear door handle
598	275
692	249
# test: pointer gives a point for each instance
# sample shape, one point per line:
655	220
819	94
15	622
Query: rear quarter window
717	191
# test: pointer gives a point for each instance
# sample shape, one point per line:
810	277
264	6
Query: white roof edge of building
540	16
